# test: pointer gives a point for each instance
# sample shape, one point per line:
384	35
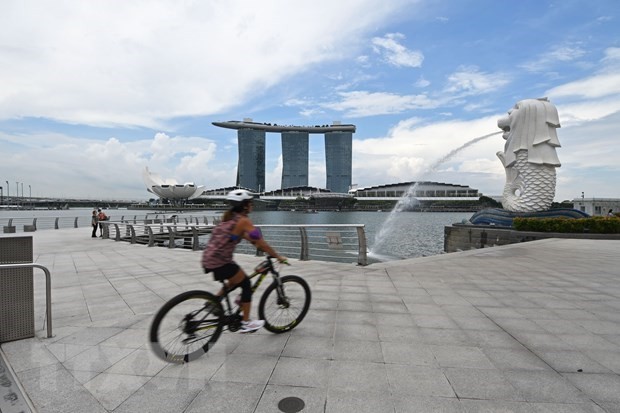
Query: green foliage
561	205
592	225
488	202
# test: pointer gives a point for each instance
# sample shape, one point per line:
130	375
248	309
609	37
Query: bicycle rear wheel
186	327
284	308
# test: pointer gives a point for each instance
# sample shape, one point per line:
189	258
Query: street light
30	195
17	192
8	193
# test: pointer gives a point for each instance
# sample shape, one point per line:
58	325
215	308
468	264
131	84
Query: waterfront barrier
463	237
327	242
157	232
29	224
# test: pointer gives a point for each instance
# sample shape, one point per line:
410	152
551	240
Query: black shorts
224	272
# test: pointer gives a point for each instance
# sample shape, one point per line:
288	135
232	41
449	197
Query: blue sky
93	92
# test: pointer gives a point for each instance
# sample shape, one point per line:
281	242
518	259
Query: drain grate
11	398
291	405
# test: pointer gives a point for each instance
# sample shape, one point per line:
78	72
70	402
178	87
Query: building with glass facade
338	161
251	165
294	159
251	138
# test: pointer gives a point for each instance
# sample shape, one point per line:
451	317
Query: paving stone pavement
532	327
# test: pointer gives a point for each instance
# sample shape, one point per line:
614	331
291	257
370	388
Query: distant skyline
93	92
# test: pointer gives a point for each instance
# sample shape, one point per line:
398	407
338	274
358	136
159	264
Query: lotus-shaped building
169	188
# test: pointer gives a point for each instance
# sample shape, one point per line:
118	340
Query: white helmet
238	196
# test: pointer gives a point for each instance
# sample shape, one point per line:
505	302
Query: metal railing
159	233
327	242
48	290
28	224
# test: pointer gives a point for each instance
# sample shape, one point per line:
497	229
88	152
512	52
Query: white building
169	188
423	191
597	206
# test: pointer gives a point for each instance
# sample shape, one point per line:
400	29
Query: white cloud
593	97
612	56
80	167
395	53
414	151
422	82
363	103
587	111
469	80
164	59
273	178
558	53
593	87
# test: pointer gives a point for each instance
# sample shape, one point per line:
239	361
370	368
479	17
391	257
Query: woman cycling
218	255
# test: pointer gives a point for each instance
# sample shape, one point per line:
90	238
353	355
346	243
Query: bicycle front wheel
284	308
186	327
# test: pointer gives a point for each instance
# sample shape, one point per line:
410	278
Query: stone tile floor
531	327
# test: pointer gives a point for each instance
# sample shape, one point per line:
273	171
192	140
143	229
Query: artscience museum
170	189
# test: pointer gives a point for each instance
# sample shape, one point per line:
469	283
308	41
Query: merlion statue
529	155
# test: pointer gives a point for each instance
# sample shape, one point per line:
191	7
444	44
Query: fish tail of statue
529	187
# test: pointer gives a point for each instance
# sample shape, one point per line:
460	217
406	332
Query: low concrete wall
461	237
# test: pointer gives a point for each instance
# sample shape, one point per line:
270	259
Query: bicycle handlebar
271	257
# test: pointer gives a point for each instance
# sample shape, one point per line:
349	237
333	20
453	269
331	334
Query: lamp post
30	196
16	193
8	193
1	196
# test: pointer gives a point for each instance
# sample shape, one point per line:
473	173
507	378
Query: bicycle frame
261	276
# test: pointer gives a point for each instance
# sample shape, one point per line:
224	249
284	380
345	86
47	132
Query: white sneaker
252	325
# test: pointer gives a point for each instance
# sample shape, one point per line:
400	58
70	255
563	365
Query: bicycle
188	325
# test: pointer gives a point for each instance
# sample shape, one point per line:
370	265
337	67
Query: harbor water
416	234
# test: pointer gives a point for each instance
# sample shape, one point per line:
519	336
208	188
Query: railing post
75	222
195	246
48	290
34	224
362	256
149	231
133	234
118	232
171	243
106	231
56	223
304	253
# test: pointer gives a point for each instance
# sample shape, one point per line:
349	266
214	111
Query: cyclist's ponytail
227	215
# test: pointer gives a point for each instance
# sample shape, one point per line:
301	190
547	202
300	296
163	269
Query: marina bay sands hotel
251	143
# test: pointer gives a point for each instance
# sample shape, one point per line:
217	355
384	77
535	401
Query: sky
91	93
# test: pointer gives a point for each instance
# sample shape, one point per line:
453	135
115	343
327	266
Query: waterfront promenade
532	327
